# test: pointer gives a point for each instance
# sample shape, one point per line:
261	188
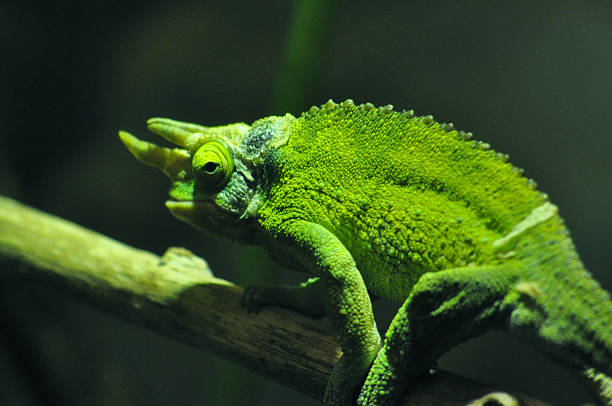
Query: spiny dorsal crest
427	120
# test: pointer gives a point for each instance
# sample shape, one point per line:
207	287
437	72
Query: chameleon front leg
306	298
344	297
443	309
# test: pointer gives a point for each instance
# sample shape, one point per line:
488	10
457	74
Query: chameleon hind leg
443	309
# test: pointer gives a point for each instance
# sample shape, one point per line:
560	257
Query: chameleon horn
175	162
177	132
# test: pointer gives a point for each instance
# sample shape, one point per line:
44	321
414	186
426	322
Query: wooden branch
178	296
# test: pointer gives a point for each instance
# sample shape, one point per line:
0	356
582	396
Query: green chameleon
377	203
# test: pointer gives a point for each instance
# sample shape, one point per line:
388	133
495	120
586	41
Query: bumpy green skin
376	203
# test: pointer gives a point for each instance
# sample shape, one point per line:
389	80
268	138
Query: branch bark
178	296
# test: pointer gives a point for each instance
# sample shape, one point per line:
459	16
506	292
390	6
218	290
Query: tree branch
178	296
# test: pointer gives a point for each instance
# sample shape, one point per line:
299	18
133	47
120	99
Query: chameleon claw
251	299
175	162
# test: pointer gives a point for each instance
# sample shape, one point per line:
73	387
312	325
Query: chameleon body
377	203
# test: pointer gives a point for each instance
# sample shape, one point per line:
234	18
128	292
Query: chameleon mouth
186	207
181	209
182	206
196	213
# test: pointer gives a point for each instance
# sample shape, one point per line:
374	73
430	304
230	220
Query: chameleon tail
579	324
560	307
572	318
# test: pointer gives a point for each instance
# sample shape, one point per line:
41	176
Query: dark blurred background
533	79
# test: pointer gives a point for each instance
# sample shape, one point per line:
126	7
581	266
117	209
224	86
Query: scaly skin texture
374	202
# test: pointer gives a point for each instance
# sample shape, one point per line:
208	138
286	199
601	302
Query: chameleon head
214	186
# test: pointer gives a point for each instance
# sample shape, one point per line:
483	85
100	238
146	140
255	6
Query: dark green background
534	79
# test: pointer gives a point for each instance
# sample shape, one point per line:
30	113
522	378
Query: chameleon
372	202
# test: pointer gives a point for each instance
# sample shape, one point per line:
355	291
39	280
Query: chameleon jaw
176	206
204	215
182	210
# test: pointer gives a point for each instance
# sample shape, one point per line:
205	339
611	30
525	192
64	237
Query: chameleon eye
213	165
